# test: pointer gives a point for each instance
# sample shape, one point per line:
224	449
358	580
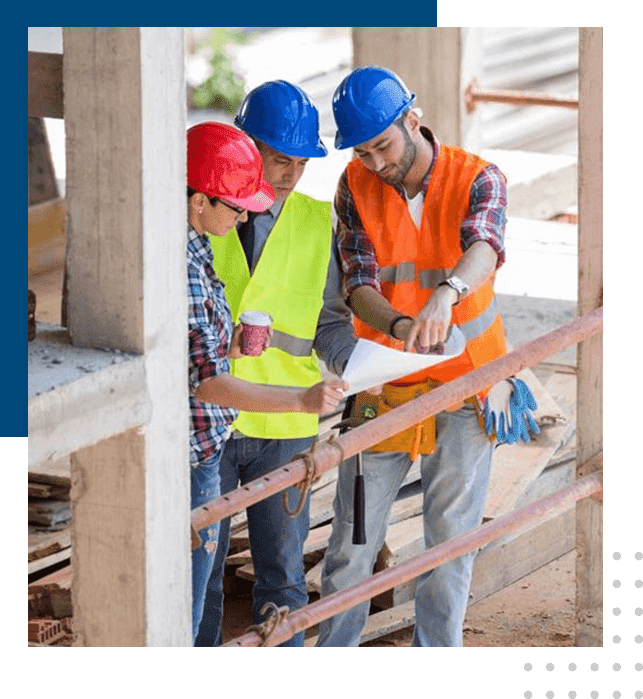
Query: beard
408	157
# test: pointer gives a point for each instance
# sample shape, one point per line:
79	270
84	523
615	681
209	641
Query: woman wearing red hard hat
225	180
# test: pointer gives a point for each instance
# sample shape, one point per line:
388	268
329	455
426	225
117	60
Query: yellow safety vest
288	282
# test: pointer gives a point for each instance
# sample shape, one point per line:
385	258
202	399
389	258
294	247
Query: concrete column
437	63
125	119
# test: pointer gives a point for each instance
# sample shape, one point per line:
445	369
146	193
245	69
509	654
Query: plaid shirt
485	221
209	333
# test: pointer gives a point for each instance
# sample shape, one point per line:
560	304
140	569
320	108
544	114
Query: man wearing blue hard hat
420	227
284	262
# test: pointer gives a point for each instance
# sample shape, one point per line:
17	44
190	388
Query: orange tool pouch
419	439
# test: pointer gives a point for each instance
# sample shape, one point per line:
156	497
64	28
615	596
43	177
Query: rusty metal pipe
385	580
328	456
474	94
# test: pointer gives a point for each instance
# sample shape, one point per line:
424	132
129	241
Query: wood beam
589	512
45	97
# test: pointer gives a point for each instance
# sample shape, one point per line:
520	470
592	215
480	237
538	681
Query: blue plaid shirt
209	334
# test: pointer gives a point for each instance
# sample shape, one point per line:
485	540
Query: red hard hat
224	162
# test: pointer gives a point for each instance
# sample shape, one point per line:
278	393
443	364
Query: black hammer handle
359	533
359	515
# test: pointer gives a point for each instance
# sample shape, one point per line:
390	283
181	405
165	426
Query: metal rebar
385	580
475	94
328	456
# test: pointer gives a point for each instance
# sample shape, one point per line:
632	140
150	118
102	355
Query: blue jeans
204	486
276	540
454	483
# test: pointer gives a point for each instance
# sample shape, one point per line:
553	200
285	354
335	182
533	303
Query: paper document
372	364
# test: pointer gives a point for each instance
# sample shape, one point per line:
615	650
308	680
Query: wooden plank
516	466
509	559
316	540
41	544
49	513
46	236
406	539
48	561
589	522
45	98
496	567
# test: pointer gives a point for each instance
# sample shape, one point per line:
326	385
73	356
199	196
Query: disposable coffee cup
256	325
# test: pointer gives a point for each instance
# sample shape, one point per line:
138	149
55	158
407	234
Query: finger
429	335
437	334
413	333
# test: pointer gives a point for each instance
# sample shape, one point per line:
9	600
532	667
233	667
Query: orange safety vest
413	262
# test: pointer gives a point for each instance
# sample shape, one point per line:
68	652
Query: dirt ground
537	610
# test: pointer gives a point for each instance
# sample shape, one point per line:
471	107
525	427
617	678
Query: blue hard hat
283	116
367	102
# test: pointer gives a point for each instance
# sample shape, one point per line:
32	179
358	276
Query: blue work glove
497	414
507	412
522	403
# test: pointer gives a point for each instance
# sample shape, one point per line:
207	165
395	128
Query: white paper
372	364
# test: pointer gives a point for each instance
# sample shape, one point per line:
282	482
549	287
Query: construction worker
284	260
225	180
420	228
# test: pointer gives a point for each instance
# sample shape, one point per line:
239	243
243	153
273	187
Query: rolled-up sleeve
357	254
486	218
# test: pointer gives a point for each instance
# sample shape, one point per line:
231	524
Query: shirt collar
435	144
199	245
274	210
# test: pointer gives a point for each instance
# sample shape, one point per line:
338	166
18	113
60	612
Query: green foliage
222	90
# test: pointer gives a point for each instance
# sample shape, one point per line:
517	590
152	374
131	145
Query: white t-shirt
416	205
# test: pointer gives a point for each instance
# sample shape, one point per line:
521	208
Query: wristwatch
458	284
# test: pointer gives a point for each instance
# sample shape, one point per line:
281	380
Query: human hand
375	390
432	323
234	352
323	397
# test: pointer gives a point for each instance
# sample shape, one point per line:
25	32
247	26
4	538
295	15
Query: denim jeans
454	484
276	540
204	486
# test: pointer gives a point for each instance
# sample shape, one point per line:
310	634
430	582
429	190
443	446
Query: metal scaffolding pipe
340	601
475	94
328	456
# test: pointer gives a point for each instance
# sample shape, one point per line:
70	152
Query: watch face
458	285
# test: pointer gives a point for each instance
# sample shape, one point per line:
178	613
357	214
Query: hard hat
223	162
283	116
367	102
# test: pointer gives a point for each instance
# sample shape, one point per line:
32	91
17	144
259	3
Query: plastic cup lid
255	318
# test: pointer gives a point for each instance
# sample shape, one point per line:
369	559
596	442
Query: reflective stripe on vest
288	282
413	262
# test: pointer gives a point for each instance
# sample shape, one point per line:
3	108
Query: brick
45	630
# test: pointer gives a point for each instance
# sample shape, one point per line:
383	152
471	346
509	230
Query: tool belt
415	440
419	439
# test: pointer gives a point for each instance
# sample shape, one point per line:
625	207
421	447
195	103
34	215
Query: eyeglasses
236	209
